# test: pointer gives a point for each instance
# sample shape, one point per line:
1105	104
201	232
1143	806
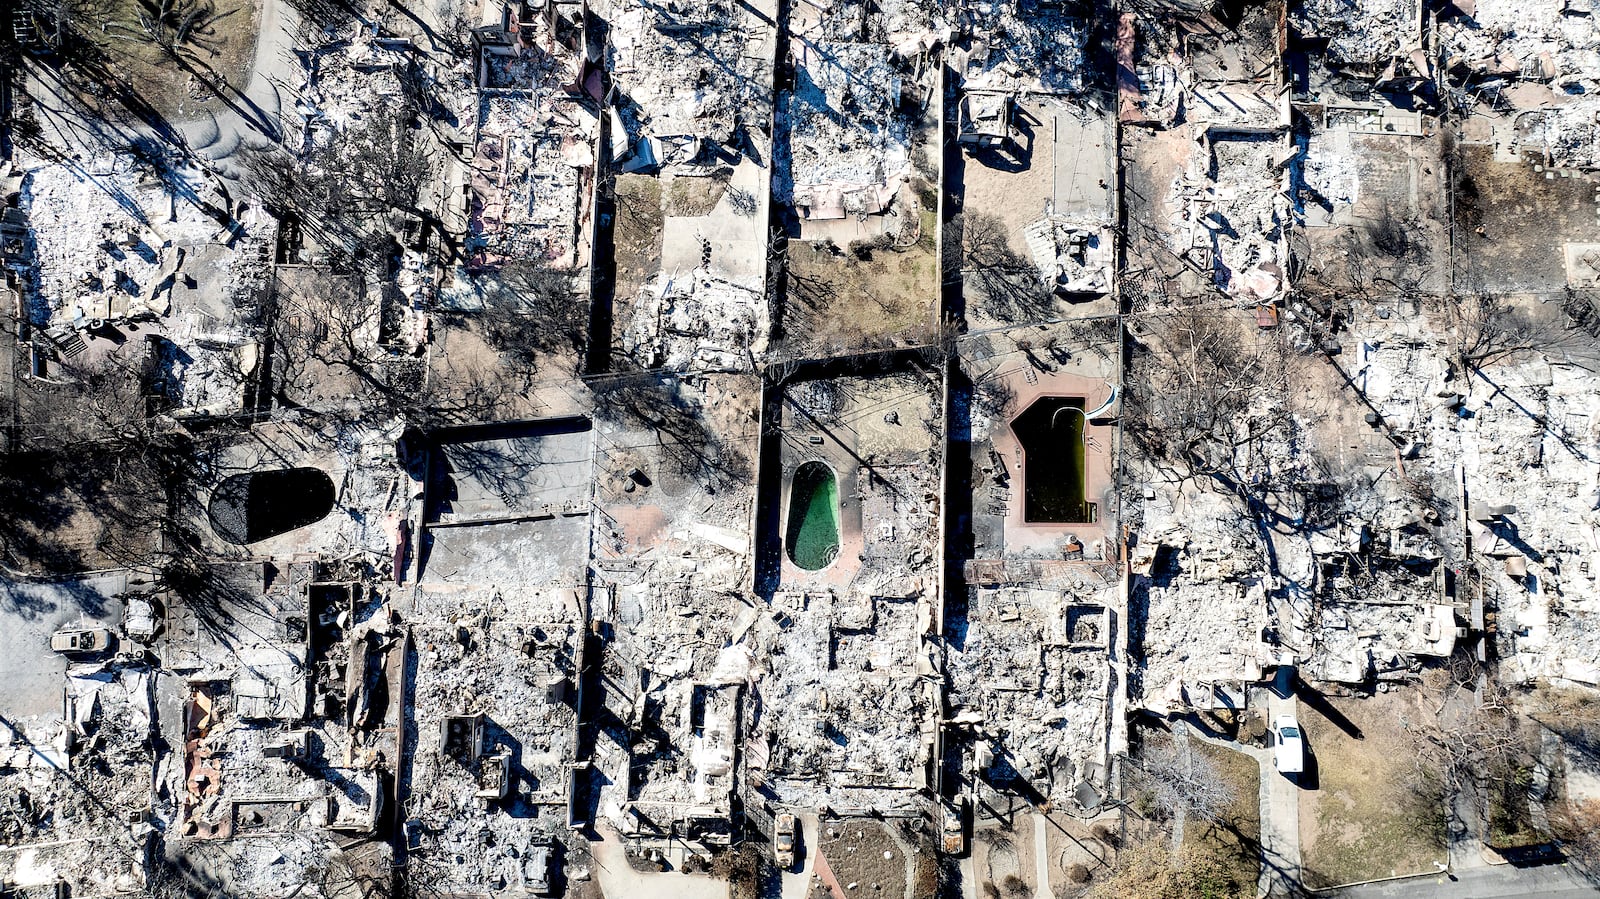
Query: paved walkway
1041	855
1464	828
969	876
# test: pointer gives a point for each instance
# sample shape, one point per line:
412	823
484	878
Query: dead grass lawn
837	301
637	236
1360	817
226	59
692	196
1235	841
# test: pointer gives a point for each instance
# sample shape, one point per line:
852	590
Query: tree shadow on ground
1320	704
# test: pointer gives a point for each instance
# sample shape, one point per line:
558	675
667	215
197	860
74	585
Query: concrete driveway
30	674
248	118
797	881
252	119
1280	816
618	879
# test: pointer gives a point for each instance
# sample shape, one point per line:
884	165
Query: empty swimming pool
813	531
1053	459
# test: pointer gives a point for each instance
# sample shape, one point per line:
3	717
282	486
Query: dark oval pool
249	507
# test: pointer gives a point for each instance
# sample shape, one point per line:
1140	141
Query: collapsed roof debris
692	106
112	249
527	177
851	145
1034	682
1232	215
1202	611
1562	135
700	322
77	788
1541	556
1073	258
1364	35
432	464
497	729
1541	41
696	80
1032	46
679	681
112	245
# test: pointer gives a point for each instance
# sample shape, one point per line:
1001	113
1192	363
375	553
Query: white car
81	640
1289	745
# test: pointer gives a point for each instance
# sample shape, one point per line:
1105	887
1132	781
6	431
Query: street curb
1362	883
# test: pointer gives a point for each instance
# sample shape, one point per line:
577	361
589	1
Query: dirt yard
1004	860
638	235
872	298
1361	813
866	858
1080	849
1496	250
1398	230
82	514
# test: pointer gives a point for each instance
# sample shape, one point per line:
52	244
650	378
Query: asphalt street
1553	881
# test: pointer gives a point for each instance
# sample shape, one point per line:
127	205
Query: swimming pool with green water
813	531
